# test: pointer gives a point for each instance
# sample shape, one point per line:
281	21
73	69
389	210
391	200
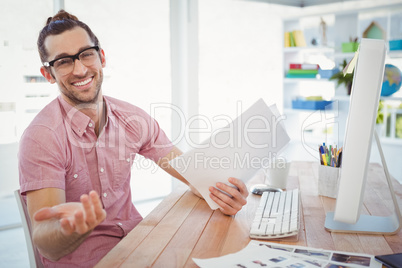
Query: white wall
240	56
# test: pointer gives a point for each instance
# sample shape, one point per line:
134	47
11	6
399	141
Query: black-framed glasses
65	65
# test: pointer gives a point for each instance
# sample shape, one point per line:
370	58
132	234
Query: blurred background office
193	65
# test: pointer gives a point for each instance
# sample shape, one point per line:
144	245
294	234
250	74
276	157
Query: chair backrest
8	166
34	258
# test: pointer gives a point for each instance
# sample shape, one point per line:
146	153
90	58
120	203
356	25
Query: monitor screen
364	99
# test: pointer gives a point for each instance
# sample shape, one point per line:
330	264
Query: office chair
34	258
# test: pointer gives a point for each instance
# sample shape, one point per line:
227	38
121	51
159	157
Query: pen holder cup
328	181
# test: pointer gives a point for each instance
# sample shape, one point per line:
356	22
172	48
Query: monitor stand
370	224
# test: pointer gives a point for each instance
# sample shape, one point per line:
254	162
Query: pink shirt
60	149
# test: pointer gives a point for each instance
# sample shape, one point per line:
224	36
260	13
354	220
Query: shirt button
102	170
75	176
104	194
120	223
90	125
128	159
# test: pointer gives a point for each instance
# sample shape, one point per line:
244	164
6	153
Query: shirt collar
110	107
77	120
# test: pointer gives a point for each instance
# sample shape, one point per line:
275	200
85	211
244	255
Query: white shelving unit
306	125
312	127
340	26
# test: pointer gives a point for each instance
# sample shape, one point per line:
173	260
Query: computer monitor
364	99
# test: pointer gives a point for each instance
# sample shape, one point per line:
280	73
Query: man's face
83	84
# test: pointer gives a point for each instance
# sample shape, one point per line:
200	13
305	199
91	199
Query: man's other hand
230	205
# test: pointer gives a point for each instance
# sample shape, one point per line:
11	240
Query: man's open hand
74	216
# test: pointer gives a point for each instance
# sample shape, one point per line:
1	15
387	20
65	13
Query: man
75	157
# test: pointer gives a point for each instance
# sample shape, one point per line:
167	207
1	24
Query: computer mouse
260	188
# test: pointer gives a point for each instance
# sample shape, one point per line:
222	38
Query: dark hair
59	23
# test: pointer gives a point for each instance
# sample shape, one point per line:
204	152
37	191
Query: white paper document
266	254
238	150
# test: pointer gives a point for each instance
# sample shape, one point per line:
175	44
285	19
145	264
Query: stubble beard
77	100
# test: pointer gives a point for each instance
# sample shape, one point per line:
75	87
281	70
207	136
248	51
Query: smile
83	83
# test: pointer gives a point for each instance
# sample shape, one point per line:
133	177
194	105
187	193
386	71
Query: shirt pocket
122	172
77	184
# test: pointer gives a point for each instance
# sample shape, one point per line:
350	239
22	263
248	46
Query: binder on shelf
290	75
287	39
305	104
299	38
327	73
292	39
302	71
303	66
395	44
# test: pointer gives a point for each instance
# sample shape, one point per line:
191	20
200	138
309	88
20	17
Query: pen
324	159
319	152
323	156
340	158
328	159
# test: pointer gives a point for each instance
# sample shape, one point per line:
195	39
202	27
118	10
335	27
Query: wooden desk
183	226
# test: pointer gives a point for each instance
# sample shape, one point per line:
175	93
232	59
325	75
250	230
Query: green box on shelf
350	46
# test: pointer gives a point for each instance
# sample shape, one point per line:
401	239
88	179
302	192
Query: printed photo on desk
265	254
